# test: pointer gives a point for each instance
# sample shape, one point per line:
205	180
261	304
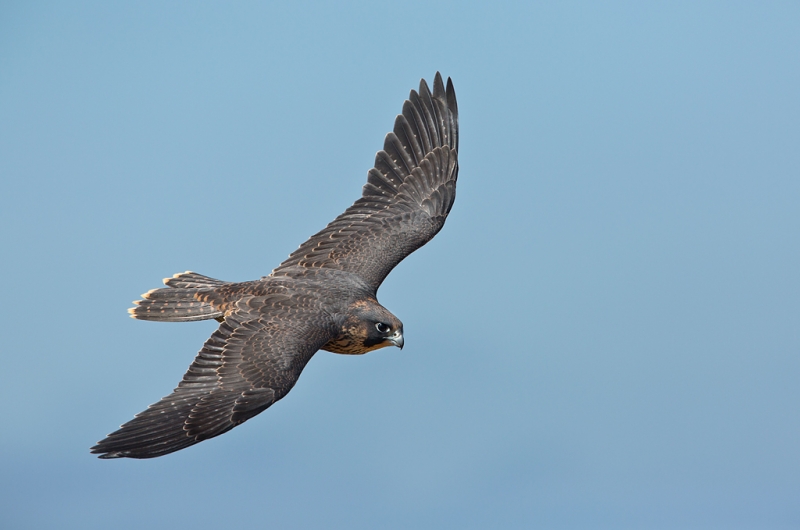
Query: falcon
323	297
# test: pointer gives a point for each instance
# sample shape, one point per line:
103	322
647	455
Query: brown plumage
322	297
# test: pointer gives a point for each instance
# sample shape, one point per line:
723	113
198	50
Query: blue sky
604	335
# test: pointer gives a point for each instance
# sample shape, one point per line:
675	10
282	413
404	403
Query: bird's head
378	328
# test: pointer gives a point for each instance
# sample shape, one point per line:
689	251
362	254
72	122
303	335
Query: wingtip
104	454
438	86
108	456
98	450
450	92
424	90
444	91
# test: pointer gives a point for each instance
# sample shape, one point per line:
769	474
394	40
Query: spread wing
407	197
249	363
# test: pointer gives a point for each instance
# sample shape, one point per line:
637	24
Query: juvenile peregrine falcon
322	297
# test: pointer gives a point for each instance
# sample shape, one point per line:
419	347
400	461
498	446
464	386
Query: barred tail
177	302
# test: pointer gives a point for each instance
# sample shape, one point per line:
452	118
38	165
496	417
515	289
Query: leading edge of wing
407	197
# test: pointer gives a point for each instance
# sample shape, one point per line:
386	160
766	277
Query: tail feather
192	280
177	302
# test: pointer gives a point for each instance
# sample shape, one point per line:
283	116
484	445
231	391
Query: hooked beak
397	339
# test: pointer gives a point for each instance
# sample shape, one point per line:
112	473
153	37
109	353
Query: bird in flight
322	297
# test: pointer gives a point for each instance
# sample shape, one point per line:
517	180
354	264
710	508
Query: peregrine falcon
323	297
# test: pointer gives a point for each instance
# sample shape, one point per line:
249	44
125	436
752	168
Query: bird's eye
382	328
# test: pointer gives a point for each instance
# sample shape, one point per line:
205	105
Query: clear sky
606	334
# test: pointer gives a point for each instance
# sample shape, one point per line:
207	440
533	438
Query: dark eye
382	328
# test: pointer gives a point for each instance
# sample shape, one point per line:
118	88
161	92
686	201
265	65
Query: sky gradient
605	334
